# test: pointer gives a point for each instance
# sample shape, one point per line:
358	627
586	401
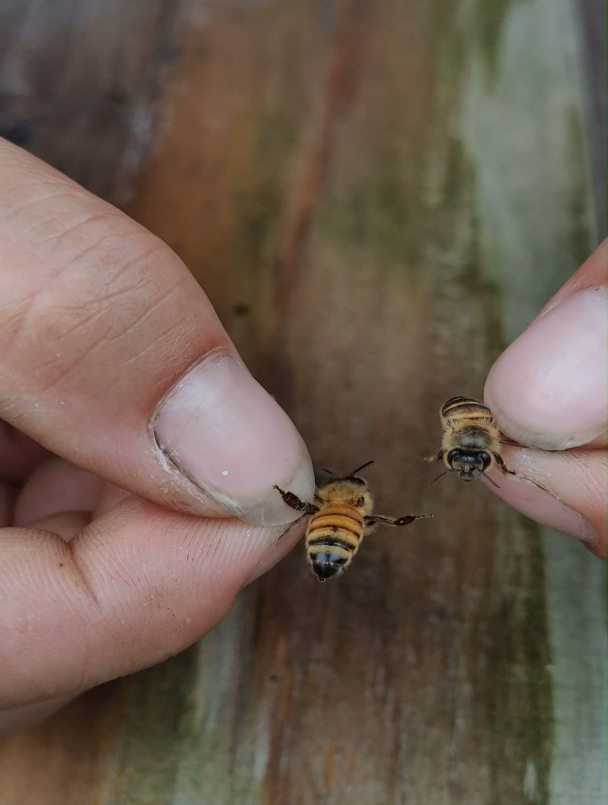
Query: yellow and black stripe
463	409
333	537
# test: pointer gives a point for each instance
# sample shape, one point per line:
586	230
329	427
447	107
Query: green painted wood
377	197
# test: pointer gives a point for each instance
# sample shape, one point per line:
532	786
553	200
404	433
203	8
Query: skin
112	529
118	484
548	392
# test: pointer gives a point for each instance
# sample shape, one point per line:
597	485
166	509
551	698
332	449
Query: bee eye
360	501
487	460
452	456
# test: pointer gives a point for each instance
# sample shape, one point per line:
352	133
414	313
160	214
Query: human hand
548	391
132	431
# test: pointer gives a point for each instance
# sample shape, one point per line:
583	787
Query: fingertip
283	545
548	388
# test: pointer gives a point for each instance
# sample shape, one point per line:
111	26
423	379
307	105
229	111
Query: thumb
112	357
548	388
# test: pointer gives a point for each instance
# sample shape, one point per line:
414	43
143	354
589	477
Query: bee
340	517
471	439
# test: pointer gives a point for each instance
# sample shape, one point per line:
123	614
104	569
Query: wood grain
376	197
80	83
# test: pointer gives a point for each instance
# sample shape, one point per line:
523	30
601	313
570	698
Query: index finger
567	493
133	587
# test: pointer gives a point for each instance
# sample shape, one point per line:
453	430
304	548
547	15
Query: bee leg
504	439
294	502
409	518
500	461
433	459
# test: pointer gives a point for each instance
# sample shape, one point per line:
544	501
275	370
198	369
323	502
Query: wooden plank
592	16
375	196
79	83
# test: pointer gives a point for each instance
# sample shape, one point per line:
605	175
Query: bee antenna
492	481
441	474
362	467
329	472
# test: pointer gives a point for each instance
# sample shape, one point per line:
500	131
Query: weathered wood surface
376	196
592	15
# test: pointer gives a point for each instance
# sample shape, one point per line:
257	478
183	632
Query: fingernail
548	388
227	435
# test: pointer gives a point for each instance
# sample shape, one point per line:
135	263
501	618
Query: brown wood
321	168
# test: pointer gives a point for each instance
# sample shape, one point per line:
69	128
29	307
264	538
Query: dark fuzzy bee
340	517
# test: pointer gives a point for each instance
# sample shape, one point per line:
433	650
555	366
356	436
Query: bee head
469	464
355	479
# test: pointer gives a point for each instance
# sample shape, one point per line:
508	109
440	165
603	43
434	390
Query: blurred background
377	196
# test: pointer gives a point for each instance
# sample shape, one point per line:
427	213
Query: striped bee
471	439
340	516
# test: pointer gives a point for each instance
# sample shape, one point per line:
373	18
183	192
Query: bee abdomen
333	537
332	540
463	408
348	521
329	542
